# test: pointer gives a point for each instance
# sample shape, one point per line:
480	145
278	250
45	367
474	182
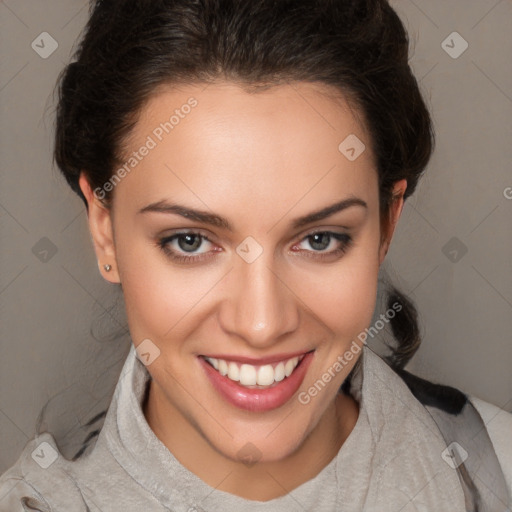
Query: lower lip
258	400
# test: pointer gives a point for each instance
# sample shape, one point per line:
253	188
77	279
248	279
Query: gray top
391	461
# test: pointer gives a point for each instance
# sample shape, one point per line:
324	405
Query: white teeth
279	372
223	367
290	366
233	371
249	375
265	375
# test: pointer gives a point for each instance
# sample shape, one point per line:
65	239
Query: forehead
224	141
297	109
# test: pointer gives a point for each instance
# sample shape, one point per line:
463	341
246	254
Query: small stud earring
107	267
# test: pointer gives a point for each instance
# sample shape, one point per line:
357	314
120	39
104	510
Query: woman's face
245	280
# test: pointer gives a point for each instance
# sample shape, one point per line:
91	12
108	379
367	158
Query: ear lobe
395	210
102	234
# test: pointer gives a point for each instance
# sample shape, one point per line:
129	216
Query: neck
262	481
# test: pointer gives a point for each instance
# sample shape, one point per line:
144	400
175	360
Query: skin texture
260	160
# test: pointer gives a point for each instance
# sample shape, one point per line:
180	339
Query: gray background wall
452	252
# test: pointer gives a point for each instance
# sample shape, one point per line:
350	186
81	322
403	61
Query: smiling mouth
256	376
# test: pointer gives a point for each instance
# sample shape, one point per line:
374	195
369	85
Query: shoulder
499	427
28	485
498	422
452	409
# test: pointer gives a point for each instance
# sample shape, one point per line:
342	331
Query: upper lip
258	361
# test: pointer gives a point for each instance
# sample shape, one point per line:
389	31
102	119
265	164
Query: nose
261	308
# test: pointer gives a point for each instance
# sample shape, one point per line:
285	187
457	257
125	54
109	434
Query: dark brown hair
360	47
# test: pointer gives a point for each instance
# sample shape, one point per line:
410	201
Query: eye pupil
324	240
190	245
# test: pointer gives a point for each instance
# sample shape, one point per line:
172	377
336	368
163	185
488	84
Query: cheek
157	296
147	299
346	301
343	296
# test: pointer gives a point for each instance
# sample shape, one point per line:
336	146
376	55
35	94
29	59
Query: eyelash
345	240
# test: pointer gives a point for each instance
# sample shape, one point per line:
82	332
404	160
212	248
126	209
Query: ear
389	224
100	226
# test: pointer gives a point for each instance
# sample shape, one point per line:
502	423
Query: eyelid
167	233
323	229
170	237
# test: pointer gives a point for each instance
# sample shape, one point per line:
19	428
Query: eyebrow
220	222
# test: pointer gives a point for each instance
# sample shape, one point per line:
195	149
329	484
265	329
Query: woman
244	165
